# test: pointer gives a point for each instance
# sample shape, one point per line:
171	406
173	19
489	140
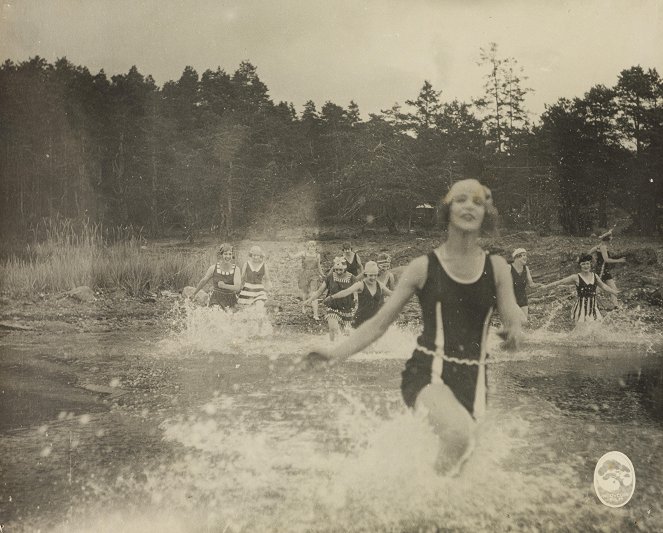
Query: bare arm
297	255
608	259
506	301
205	280
530	281
387	291
568	280
360	267
266	279
317	293
355	287
320	266
413	278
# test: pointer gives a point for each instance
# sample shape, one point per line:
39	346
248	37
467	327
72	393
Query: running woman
522	278
226	279
586	282
340	311
370	293
458	286
603	263
255	279
386	276
354	263
310	275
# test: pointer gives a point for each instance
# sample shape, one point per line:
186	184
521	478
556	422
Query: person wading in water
458	286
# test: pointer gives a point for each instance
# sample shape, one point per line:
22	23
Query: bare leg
451	422
332	322
304	297
613	298
525	310
314	304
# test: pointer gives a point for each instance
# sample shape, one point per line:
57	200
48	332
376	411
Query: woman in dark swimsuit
604	264
458	286
370	293
226	279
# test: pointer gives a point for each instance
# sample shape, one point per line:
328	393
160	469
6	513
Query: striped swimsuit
253	289
343	309
586	308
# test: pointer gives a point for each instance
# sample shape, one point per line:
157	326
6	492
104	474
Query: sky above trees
375	52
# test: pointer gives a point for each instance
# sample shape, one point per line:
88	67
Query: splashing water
213	329
269	448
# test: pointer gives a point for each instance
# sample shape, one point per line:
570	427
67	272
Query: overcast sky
376	52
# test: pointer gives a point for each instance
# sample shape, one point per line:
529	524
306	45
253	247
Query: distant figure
226	279
354	263
255	279
370	293
386	276
340	311
458	286
586	308
310	275
522	278
603	262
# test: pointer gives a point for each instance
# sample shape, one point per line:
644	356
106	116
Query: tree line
214	150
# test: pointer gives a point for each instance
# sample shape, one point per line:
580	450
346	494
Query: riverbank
552	257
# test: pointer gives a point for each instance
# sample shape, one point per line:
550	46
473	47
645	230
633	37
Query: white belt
445	357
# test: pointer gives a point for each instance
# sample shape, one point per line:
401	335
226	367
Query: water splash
213	329
358	471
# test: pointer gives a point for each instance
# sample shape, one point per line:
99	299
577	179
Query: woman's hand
316	358
512	338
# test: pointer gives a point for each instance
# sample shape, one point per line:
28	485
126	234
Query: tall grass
67	254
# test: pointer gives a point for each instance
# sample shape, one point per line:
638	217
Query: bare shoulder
498	262
416	272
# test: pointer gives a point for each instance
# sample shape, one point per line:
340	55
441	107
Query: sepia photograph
331	266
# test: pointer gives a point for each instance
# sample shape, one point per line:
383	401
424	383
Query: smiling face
225	255
339	266
585	267
467	205
521	258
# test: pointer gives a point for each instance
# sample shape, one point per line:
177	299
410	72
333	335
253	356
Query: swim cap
371	268
225	247
585	257
518	251
255	250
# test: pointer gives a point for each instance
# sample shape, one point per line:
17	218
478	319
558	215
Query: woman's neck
461	242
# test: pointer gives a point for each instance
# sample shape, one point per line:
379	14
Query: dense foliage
213	150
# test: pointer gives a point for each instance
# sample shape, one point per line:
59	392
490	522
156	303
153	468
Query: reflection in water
250	443
648	383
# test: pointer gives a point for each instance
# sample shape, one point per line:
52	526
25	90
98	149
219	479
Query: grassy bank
68	256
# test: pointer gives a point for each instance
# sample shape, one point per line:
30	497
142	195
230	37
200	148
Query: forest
214	151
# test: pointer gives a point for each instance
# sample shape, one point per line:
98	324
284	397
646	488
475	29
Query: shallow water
215	428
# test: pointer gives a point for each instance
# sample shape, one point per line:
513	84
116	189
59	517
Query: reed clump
65	254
